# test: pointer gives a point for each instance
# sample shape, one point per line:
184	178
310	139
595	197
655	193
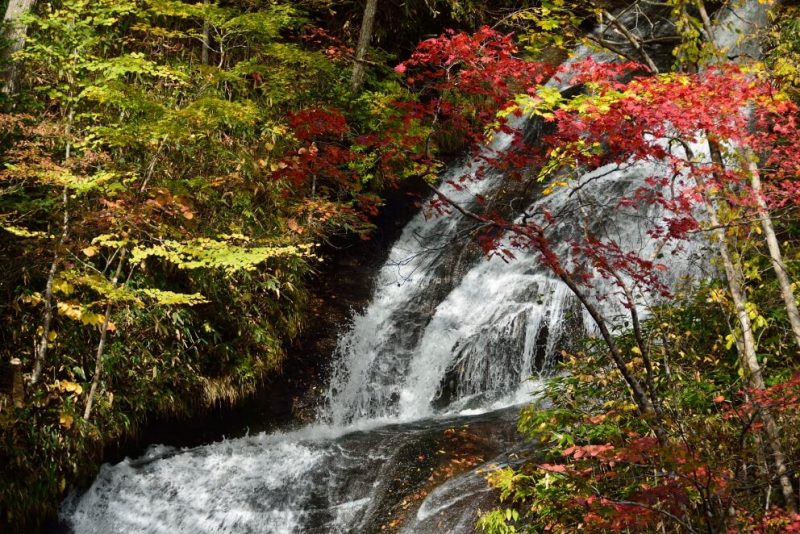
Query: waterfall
447	335
380	344
440	315
502	321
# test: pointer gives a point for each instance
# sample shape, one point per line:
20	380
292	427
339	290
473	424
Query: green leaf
169	298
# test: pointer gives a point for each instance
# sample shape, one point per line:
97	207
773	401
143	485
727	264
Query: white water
445	333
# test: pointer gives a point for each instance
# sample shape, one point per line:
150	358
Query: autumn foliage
205	174
654	466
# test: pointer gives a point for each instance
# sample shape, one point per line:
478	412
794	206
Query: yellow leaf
33	298
72	387
89	251
73	311
66	420
91	318
23	232
63	287
111	327
52	335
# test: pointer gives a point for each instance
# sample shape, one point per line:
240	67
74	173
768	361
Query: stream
425	386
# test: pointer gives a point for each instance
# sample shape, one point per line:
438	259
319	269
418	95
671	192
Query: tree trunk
17	387
364	38
206	37
15	35
630	304
747	344
775	255
640	396
44	339
98	364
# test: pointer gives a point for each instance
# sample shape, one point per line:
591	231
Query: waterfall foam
502	322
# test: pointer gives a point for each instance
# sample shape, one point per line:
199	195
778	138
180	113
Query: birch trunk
775	255
747	346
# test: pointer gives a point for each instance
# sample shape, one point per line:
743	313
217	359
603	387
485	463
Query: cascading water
449	339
